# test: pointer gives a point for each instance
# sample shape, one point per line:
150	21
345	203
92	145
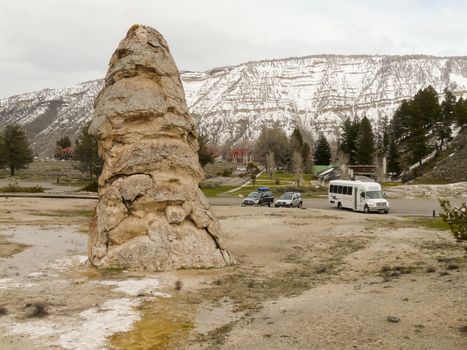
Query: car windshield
253	195
287	195
374	194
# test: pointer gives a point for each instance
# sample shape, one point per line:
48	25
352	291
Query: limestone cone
150	214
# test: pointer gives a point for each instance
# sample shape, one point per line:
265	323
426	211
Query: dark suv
259	198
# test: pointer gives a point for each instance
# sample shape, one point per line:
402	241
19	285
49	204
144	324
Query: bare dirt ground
306	279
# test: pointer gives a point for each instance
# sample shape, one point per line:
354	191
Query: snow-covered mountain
233	103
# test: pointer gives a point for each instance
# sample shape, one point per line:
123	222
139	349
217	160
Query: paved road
400	207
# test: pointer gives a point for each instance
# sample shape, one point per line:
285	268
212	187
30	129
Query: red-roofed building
240	155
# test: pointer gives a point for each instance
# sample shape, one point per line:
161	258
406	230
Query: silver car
290	200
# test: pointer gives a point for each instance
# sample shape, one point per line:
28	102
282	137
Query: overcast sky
56	43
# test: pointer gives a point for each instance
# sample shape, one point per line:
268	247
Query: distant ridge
233	103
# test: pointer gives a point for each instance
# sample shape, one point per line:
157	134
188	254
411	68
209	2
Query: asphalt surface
400	207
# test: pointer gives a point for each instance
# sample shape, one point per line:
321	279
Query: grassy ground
61	172
280	183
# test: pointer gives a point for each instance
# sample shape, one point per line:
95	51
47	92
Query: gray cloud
54	43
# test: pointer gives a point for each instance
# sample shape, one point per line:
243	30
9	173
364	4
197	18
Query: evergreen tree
408	128
86	153
461	113
399	126
365	143
348	142
322	151
429	108
296	141
14	148
442	126
394	166
64	142
382	135
204	155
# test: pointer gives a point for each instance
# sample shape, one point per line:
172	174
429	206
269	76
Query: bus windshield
374	194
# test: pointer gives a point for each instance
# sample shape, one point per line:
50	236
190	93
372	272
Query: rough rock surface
151	214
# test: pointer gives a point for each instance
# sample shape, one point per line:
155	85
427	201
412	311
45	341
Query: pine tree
442	126
399	125
382	135
461	113
204	155
64	142
322	151
296	141
365	143
14	149
394	166
86	153
348	142
427	101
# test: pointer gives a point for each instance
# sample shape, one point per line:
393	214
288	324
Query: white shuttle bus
357	195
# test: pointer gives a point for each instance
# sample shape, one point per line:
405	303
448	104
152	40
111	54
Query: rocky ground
456	190
306	279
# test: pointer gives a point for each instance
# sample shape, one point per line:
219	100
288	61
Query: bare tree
297	168
270	164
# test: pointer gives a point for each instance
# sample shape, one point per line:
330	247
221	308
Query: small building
240	155
362	170
65	153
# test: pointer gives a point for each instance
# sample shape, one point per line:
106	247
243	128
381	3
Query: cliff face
233	103
47	115
315	92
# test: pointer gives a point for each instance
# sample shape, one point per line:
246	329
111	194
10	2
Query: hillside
233	103
450	166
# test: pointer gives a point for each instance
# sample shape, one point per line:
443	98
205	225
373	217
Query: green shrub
456	218
277	180
227	172
14	188
92	187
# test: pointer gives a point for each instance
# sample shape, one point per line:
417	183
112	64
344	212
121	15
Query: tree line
419	126
16	153
423	124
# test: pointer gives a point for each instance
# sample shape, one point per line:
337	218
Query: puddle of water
55	248
165	323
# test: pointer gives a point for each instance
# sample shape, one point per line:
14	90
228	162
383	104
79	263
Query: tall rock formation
151	214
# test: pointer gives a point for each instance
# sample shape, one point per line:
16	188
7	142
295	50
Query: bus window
344	190
349	191
339	189
331	189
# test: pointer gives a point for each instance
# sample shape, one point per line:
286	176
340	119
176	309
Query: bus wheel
366	210
339	205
